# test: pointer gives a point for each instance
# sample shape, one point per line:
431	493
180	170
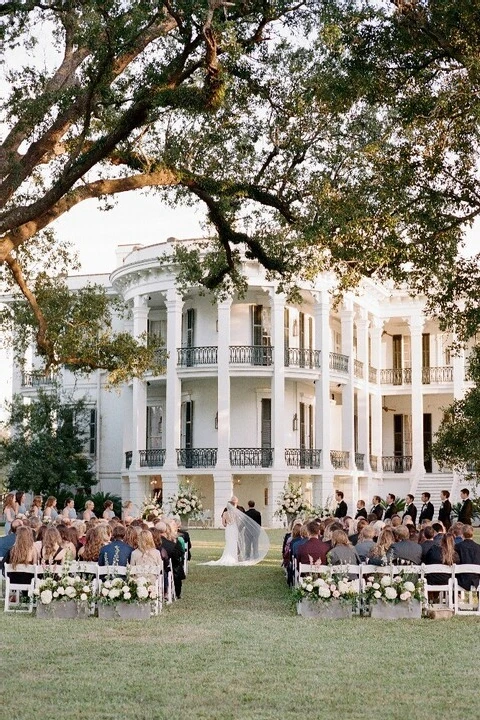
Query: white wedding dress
246	543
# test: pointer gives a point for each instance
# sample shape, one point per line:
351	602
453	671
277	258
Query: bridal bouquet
186	503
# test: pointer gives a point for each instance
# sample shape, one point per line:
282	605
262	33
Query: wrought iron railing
372	374
251	354
374	463
196	457
303	457
397	463
437	374
128	458
396	376
152	458
340	459
360	461
251	457
302	357
192	356
358	368
338	362
37	379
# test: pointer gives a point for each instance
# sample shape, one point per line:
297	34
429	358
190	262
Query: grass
232	649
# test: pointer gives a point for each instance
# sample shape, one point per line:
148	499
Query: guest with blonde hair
88	513
146	552
342	551
381	554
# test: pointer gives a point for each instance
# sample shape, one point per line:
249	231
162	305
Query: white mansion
259	391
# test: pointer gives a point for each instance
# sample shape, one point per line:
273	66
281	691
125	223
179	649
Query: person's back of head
467	532
118	532
162	526
367	533
396	521
372	518
428	532
339	537
438	527
401	533
313	528
362	523
458	529
251	503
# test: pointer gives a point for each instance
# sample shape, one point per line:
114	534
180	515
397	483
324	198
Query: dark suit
362	513
390	511
341	510
251	537
378	511
427	512
466	512
407	550
445	513
411	510
468	552
107	556
426	547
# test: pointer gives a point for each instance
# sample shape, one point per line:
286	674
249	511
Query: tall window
427	442
286	335
187	425
154	427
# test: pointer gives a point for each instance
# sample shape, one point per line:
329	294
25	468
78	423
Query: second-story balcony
360	461
358	369
338	362
196	457
372	374
397	463
37	379
396	376
251	457
340	459
152	458
437	374
303	457
259	355
302	358
194	356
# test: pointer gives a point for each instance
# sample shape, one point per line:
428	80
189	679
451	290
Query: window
154	427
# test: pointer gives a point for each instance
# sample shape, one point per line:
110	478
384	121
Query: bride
246	543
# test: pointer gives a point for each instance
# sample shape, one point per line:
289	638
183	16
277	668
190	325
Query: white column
418	469
278	381
223	385
376	403
139	387
276	484
174	384
223	491
322	385
346	317
459	374
363	404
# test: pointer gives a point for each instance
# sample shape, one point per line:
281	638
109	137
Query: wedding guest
146	552
36	507
391	508
380	554
131	536
313	550
427	511
7	541
175	554
34	523
342	552
50	511
128	514
342	508
403	549
117	550
466	511
9	511
52	552
442	554
88	513
361	510
22	552
426	540
365	542
81	529
377	509
97	538
67	544
69	512
458	533
445	512
378	526
20	507
396	521
361	523
410	508
439	531
108	512
469	553
298	540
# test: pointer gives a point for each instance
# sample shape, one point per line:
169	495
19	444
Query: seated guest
439	531
365	542
175	554
443	553
380	554
396	521
457	533
117	550
52	552
313	550
7	541
296	541
70	546
378	527
131	536
287	538
426	540
81	529
342	552
88	513
146	553
469	553
97	538
361	523
404	551
22	552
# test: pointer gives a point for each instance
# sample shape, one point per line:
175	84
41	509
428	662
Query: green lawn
231	648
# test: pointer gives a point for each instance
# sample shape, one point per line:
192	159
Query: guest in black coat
427	543
410	509
427	511
466	511
445	512
377	507
469	553
342	508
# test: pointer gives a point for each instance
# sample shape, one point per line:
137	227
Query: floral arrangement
51	588
186	502
401	588
291	501
325	587
151	507
129	589
322	511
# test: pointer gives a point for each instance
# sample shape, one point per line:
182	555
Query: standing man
410	509
361	510
377	507
445	512
427	511
342	508
251	538
466	511
391	508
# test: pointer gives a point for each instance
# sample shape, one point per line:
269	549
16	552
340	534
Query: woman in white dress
239	529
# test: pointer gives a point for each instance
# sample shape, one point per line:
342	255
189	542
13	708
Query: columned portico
418	468
174	306
278	381
348	441
223	385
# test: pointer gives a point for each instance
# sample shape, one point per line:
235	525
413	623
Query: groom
251	540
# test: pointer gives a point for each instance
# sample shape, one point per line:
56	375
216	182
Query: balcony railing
360	461
437	374
374	463
338	362
302	357
37	379
397	463
152	458
193	356
251	354
196	457
340	459
128	458
358	368
303	457
396	376
372	374
251	457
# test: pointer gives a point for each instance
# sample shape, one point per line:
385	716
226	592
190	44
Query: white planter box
382	610
332	610
63	609
124	611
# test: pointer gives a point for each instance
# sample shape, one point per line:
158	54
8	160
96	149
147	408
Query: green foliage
45	451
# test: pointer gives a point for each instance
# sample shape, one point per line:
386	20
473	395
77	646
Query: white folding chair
150	571
466	602
13	590
445	590
169	585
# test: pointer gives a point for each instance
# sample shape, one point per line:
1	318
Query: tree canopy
319	134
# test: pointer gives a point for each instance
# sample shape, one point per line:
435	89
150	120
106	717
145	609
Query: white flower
343	587
368	584
376	586
142	580
70	591
105	591
386	581
409	586
142	592
61	590
336	594
125	589
405	595
390	593
70	580
377	594
324	592
153	592
309	587
127	595
46	597
86	588
107	584
83	596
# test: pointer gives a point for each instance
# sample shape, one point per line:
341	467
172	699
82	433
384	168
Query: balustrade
302	357
152	458
196	457
251	354
340	459
251	457
338	362
303	457
192	356
397	463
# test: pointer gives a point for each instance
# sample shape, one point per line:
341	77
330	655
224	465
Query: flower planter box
382	610
332	610
64	610
124	611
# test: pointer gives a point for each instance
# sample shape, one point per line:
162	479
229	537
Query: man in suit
427	511
468	552
342	508
361	510
391	508
404	549
428	534
466	511
445	512
251	538
410	508
377	507
314	550
117	551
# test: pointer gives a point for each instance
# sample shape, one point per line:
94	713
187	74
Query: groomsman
445	512
342	508
427	511
361	510
410	508
466	511
377	507
391	508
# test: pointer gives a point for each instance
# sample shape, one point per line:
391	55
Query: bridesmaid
20	508
50	509
36	507
9	511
